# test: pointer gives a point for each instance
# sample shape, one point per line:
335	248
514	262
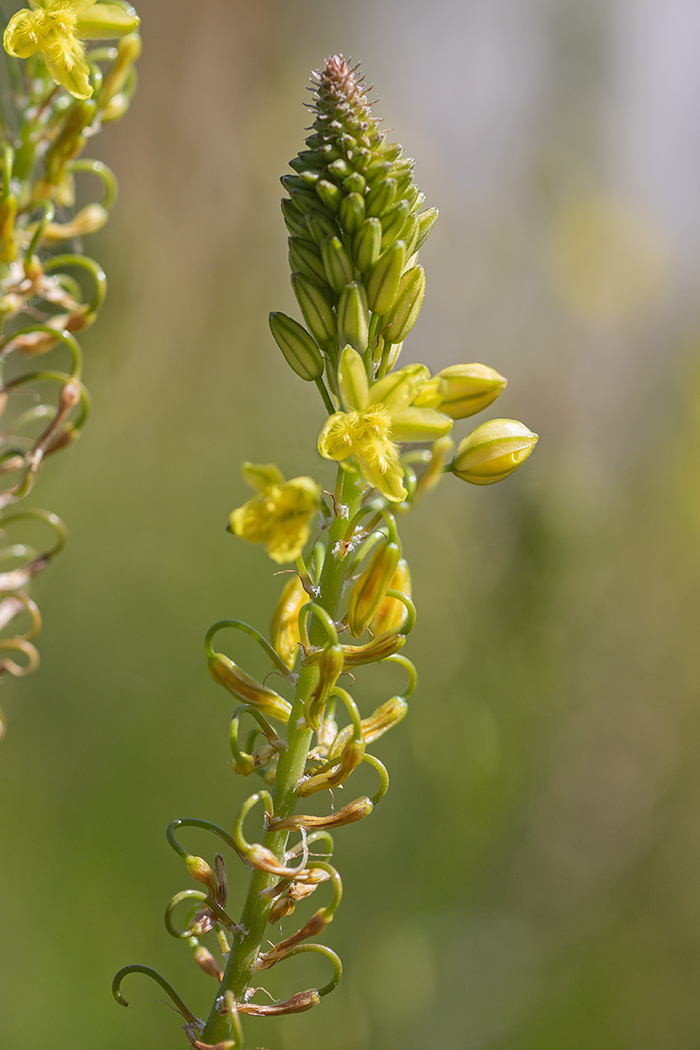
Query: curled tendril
296	1004
323	619
194	928
155	976
195	822
240	625
243	762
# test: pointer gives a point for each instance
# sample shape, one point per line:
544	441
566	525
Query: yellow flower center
366	434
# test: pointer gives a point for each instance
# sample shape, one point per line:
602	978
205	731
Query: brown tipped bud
330	663
296	1005
370	589
349	814
378	649
264	859
392	613
350	758
201	871
225	672
206	961
280	909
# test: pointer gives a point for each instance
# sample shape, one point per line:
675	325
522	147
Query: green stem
291	767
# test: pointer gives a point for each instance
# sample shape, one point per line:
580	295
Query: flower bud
330	194
280	909
284	629
8	236
315	307
226	673
367	245
206	962
308	202
294	219
337	266
353	317
384	718
493	451
370	589
468	388
300	351
426	221
348	814
355	183
350	758
330	663
409	235
381	197
200	870
304	257
352	211
378	649
393	223
406	308
383	283
392	613
320	227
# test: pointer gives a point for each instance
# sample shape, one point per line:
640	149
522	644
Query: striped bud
330	662
383	284
406	308
392	613
330	194
315	307
409	235
293	219
304	257
377	172
367	245
336	262
284	629
384	718
378	649
319	227
226	673
468	388
352	212
393	223
426	221
300	351
353	317
355	183
493	451
381	197
370	589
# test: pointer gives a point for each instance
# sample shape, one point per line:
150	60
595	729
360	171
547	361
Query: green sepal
299	349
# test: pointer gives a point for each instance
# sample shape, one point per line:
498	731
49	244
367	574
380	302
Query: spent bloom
55	29
376	418
280	515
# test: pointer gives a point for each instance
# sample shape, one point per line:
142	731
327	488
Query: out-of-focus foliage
545	891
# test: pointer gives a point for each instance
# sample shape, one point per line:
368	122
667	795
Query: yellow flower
376	418
55	29
280	514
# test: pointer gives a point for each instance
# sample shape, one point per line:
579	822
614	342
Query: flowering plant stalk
53	102
356	222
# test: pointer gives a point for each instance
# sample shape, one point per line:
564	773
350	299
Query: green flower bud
336	261
355	183
406	308
466	389
315	307
304	257
310	178
383	284
306	200
300	351
410	234
294	219
353	317
339	169
381	197
370	589
330	194
367	244
320	227
352	211
426	221
377	172
393	223
493	451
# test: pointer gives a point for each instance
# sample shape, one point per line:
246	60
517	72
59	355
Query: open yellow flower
55	30
376	418
279	516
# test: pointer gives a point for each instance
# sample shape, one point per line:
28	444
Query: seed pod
226	673
315	307
300	351
330	663
392	613
367	245
383	284
284	629
406	308
381	197
304	257
426	221
330	194
393	223
336	261
370	589
353	317
493	451
352	212
468	389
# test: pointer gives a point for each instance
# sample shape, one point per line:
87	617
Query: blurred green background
532	880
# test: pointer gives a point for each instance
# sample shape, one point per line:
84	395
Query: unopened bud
284	629
200	870
370	589
493	451
352	211
406	308
280	909
355	183
392	613
384	280
353	317
8	237
383	719
351	756
367	245
206	962
128	51
304	257
115	108
330	194
434	472
330	662
393	223
371	652
294	219
409	235
468	389
315	307
426	221
320	227
65	437
243	687
337	265
300	351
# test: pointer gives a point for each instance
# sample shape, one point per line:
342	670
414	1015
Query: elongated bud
300	351
294	219
352	211
468	389
200	870
384	718
393	223
350	759
426	221
406	308
370	589
8	238
392	614
128	52
206	962
304	257
320	227
367	245
307	201
378	649
493	451
330	194
381	197
349	814
88	220
284	629
353	317
330	662
409	235
315	307
383	284
226	673
336	261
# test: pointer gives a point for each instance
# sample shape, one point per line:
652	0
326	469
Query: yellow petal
420	424
352	380
261	476
66	63
21	38
105	21
335	440
397	390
